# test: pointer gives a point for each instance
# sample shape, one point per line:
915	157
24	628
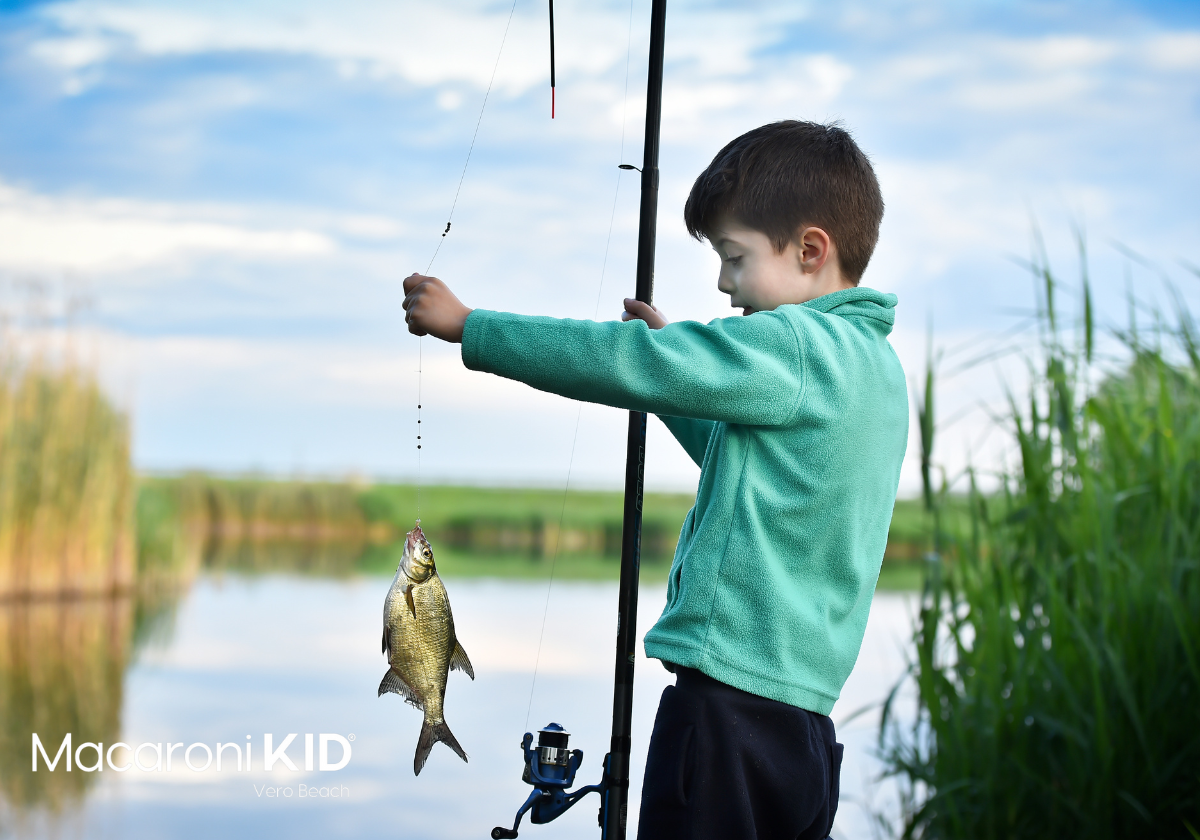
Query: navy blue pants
727	764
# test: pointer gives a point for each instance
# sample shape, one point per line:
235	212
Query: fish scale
420	643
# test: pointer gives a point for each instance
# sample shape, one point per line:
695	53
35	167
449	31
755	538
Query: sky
223	199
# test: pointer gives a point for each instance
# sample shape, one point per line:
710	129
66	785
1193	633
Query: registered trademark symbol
351	736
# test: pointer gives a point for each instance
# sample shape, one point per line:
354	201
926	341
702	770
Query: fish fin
409	599
392	683
459	661
430	735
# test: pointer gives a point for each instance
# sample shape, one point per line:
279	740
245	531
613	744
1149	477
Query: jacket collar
859	301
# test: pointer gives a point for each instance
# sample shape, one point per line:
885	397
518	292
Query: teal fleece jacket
798	418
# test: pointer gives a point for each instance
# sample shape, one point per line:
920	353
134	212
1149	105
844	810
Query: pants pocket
670	761
835	781
687	764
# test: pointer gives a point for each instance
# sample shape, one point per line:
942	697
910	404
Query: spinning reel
551	770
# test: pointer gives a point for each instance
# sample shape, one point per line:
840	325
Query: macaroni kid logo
159	757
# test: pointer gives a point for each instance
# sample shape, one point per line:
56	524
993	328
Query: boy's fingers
635	308
413	280
410	318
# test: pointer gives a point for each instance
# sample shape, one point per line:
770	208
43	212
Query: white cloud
72	52
1058	52
1173	51
1004	74
423	43
801	85
39	232
427	44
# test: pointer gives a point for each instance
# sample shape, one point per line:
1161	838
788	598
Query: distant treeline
75	519
217	515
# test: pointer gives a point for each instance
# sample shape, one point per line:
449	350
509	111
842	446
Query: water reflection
332	559
250	647
62	664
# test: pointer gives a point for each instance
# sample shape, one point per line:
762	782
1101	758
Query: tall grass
66	484
1057	667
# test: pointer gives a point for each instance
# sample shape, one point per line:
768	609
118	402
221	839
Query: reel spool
550	768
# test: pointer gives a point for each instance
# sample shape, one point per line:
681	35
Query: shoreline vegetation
1056	654
76	520
192	521
66	483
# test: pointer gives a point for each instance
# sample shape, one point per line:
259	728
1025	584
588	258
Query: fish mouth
414	538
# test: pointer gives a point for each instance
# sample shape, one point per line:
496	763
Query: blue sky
239	187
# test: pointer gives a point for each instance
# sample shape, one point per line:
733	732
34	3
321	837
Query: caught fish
419	641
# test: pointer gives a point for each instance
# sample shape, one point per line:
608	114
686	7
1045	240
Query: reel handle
502	833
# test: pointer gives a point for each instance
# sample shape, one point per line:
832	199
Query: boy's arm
692	435
737	370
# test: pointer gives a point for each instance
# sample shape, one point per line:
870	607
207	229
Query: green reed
1057	667
66	484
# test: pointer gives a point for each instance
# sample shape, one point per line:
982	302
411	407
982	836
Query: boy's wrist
459	327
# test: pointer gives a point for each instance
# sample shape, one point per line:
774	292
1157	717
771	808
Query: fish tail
431	733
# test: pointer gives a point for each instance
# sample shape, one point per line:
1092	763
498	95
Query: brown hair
787	175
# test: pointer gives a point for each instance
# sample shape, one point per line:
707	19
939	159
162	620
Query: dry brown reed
66	482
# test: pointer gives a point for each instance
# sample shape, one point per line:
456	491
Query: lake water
248	655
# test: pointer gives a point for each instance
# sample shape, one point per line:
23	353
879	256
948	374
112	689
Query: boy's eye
734	260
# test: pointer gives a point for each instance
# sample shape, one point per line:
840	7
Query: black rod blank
614	810
551	59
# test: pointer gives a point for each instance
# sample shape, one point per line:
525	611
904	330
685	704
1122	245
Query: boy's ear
814	247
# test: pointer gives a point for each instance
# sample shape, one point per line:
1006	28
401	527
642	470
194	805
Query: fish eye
428	553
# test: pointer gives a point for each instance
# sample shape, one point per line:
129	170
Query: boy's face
758	278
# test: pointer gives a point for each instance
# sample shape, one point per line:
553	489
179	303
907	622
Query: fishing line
471	149
442	238
595	314
420	364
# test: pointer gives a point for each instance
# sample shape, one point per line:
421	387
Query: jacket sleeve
692	435
745	370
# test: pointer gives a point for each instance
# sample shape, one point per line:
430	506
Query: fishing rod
550	767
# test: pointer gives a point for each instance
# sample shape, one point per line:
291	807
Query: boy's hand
634	308
432	309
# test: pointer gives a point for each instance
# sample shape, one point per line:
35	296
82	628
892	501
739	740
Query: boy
798	417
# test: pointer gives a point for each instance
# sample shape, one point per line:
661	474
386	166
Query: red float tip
551	101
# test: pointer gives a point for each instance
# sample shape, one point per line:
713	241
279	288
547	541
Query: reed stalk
66	483
1057	667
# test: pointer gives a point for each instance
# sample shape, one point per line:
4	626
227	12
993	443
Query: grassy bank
529	521
1058	653
258	525
252	524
